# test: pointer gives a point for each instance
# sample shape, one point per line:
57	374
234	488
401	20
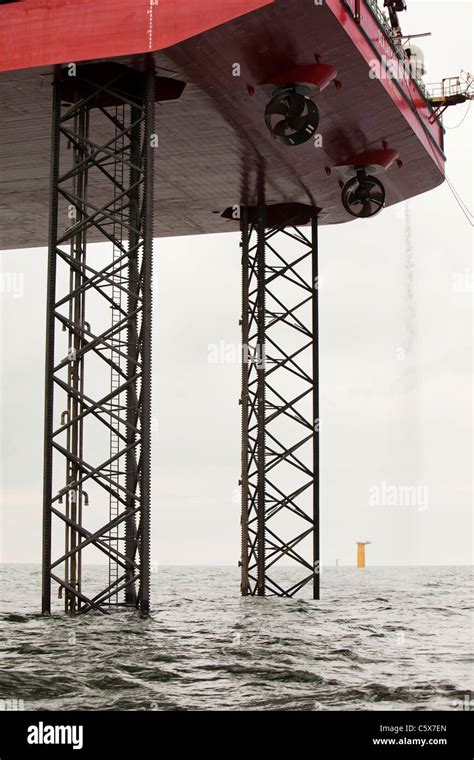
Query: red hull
215	150
34	33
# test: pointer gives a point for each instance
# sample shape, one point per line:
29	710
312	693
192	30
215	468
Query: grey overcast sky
396	286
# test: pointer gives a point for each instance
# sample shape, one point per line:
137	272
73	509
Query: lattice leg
280	404
98	368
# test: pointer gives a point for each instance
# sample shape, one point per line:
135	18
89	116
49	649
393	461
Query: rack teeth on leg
244	400
147	274
261	400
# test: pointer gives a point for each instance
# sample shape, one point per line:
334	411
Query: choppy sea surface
381	638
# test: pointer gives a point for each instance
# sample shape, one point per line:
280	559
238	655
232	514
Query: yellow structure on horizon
361	553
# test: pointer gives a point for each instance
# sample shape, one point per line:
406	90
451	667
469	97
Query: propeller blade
352	198
297	105
367	209
298	122
377	197
280	128
277	107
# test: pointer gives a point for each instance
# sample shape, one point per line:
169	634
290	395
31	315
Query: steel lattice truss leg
280	407
98	355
